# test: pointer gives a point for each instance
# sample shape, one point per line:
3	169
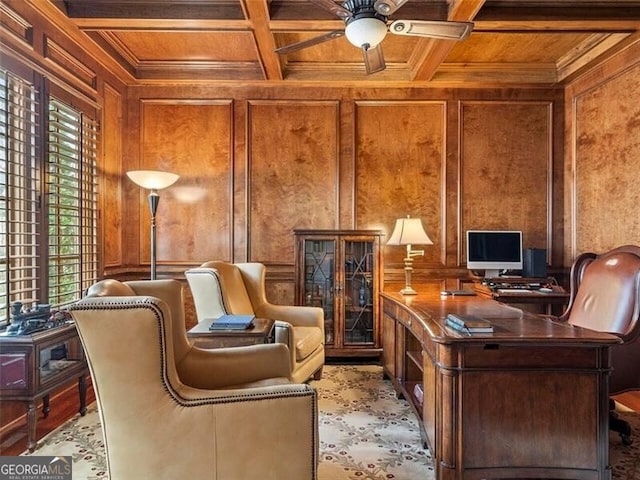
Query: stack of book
418	392
468	323
232	322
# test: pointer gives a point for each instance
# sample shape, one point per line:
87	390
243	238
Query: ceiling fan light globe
366	31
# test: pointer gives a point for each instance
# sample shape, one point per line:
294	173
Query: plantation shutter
19	199
72	203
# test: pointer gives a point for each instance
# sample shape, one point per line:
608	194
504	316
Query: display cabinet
33	366
340	271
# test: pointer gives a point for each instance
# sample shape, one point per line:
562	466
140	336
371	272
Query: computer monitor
494	251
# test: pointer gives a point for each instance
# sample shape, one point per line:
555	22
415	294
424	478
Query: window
19	189
72	203
46	200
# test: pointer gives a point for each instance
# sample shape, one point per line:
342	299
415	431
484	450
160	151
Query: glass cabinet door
340	271
54	359
319	281
358	292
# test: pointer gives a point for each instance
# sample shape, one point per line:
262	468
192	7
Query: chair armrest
224	367
299	316
284	335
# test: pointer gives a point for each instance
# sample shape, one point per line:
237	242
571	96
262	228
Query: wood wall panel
606	162
110	176
293	150
194	140
67	61
400	159
506	169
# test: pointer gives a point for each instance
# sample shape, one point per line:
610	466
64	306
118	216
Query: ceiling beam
258	14
433	52
552	25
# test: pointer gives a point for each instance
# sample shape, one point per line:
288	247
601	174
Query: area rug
366	433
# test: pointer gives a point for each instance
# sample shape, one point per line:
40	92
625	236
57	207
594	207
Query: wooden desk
33	366
262	332
529	400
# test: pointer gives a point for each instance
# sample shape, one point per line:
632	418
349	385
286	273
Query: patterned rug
366	433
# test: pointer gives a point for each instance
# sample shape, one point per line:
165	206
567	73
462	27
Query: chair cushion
266	382
234	293
308	339
110	288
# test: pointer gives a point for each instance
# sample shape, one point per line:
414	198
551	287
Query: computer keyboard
514	290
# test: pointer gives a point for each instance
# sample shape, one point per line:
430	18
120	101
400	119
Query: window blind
19	199
71	203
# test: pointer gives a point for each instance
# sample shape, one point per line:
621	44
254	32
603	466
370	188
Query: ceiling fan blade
433	29
387	7
331	6
294	47
373	59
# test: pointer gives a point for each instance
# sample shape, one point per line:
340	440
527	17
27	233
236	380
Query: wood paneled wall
603	156
258	162
506	169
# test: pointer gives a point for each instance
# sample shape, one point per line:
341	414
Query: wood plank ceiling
517	42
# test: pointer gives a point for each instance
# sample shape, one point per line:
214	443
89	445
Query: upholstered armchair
170	410
605	296
220	288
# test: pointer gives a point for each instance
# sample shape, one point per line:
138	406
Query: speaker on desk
534	263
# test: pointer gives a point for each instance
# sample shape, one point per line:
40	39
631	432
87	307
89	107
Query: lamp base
408	291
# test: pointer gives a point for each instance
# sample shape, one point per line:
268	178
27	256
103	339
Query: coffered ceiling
519	42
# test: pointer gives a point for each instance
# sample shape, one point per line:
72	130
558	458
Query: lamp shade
409	231
152	179
366	31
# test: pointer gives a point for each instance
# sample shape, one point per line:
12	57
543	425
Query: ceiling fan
367	23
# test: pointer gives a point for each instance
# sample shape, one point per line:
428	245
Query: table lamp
153	180
409	231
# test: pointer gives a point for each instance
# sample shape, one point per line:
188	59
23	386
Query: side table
262	332
33	366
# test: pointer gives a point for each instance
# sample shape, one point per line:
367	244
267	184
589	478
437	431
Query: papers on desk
459	293
232	322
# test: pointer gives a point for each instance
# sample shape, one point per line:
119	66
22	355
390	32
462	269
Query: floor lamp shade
153	180
409	231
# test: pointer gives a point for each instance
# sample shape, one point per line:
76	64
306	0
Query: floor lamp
153	180
409	231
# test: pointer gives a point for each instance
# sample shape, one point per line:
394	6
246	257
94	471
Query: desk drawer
505	357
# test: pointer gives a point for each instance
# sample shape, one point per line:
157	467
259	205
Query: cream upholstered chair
220	288
170	410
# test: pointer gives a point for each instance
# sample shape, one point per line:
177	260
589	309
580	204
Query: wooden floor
65	406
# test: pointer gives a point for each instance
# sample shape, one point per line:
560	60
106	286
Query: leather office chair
170	410
220	288
605	296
